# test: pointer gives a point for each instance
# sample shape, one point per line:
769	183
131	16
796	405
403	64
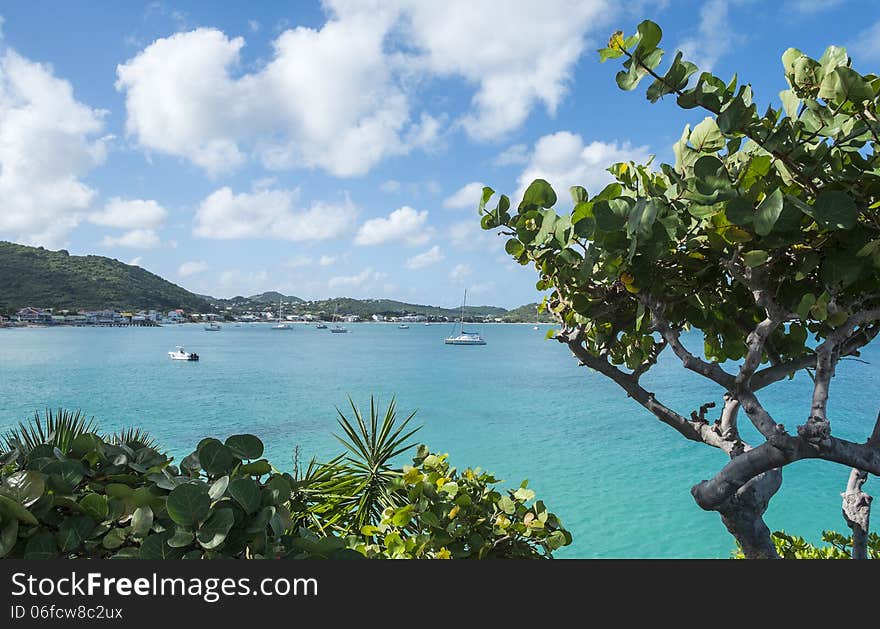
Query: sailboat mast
463	302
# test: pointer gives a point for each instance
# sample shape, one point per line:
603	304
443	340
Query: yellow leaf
616	40
453	512
443	554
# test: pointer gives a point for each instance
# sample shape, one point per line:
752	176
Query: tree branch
700	431
856	505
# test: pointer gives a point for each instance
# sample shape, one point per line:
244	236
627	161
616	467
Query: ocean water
519	406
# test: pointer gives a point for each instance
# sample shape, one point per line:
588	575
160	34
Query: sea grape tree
764	234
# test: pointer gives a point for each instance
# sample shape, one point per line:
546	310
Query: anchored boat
181	354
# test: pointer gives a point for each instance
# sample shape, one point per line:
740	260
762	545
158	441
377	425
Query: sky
339	148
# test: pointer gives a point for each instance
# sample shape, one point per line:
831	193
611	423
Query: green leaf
245	446
8	537
487	194
214	531
188	504
245	492
833	209
754	258
539	194
26	486
74	531
845	84
806	303
739	211
256	468
155	547
142	521
181	538
507	505
216	458
514	247
95	505
578	194
113	539
768	212
402	516
14	509
649	36
41	546
218	488
706	137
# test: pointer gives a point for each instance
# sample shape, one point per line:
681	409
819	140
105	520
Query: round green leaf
188	504
245	492
14	509
834	209
245	446
218	488
155	547
41	546
768	212
213	532
25	486
540	194
8	537
95	505
216	458
113	539
141	521
181	538
73	531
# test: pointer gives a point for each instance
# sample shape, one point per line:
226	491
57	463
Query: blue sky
338	148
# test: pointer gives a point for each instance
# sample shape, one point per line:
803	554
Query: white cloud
327	260
715	36
253	25
135	239
326	99
466	197
342	97
136	261
130	214
564	160
811	6
403	225
427	258
517	57
392	185
299	262
866	46
460	271
354	281
238	282
515	154
270	213
469	235
194	267
48	142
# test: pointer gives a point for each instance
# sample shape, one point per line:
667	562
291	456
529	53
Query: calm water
519	406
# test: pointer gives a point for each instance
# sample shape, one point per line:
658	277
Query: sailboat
337	329
537	310
464	338
212	326
281	325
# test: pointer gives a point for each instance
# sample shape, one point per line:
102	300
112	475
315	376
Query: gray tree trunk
743	515
857	512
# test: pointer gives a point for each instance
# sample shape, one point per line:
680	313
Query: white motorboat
213	326
464	338
181	354
403	326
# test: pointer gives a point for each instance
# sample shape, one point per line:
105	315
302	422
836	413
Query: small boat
321	326
181	354
464	338
403	326
537	310
212	326
281	325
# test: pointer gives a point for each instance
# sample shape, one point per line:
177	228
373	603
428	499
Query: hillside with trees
34	276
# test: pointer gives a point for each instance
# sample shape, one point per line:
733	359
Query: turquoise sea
519	406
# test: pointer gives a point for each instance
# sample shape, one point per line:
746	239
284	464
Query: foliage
57	429
764	235
121	497
793	193
839	546
33	276
447	514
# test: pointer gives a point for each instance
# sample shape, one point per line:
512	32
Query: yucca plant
366	468
134	438
57	429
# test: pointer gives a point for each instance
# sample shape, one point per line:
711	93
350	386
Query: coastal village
34	316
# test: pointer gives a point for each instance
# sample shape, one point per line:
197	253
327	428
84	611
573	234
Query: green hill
526	314
273	297
33	276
